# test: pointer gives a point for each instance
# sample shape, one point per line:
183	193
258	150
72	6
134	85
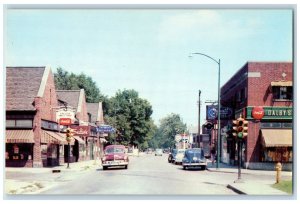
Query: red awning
19	136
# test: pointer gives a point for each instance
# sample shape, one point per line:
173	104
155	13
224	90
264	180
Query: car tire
104	168
184	167
126	166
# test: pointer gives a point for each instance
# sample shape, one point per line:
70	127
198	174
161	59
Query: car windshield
194	153
114	150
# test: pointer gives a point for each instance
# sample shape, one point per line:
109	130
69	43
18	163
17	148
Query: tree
168	128
131	116
70	81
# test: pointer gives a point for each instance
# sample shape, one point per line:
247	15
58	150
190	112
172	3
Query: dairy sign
65	117
266	112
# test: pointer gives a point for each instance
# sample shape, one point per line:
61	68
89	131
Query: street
147	175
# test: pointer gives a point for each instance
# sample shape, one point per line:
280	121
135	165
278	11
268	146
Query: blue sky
147	49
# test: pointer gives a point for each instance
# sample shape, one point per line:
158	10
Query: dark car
115	156
172	155
194	158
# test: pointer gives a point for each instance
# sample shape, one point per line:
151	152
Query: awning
52	137
277	137
281	83
63	135
19	136
102	140
80	141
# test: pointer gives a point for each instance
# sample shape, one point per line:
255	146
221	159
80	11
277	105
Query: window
282	92
19	123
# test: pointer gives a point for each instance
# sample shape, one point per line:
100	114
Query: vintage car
115	156
194	158
179	156
158	152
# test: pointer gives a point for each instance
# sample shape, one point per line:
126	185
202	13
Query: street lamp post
219	105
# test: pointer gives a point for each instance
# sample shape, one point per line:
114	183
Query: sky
148	50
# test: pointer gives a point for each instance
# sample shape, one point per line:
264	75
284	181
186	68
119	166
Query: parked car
114	155
179	156
194	158
172	155
158	152
149	151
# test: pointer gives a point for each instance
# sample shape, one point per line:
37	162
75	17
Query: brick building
32	133
268	87
95	112
86	132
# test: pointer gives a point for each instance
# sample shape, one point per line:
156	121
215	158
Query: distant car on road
172	155
179	156
194	158
114	155
158	152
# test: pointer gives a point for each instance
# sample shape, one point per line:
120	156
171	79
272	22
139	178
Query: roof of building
69	96
23	84
95	109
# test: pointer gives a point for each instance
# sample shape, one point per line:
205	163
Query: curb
236	190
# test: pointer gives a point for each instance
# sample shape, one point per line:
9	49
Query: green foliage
70	81
165	134
131	116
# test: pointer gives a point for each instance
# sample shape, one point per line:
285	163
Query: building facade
262	93
32	133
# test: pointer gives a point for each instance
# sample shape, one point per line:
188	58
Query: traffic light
240	128
69	134
208	126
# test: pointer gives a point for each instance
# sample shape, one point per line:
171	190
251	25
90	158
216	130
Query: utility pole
199	107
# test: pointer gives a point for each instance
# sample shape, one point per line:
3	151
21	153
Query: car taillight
104	159
125	157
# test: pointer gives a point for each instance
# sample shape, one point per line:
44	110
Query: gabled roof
69	96
23	84
95	109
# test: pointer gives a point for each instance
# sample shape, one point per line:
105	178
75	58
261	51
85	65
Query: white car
158	152
179	156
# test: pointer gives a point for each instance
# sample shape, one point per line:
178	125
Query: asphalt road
146	175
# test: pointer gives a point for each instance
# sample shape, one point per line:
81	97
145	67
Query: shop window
277	154
282	92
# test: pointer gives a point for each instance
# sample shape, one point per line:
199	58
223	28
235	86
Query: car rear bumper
115	163
194	164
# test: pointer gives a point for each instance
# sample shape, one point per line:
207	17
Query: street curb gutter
236	190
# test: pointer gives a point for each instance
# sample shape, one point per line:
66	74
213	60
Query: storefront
19	148
275	137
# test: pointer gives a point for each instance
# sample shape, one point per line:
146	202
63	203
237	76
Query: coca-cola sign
65	121
258	112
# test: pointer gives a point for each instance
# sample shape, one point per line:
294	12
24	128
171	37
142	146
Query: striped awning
19	136
277	137
51	137
80	141
281	83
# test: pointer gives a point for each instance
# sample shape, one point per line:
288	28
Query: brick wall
49	100
256	77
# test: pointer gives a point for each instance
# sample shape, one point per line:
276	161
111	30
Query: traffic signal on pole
240	128
69	134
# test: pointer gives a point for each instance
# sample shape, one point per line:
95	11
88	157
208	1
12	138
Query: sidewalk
253	186
36	180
